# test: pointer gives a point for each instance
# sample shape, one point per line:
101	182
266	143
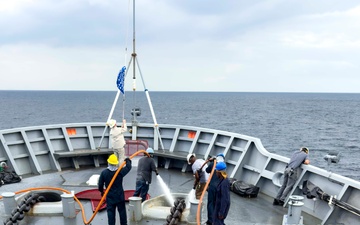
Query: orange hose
76	199
203	193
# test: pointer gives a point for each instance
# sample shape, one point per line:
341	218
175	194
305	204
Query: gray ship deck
247	210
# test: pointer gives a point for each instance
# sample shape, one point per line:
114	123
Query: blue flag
120	80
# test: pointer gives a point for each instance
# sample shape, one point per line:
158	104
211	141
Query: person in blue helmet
212	187
146	166
222	199
115	197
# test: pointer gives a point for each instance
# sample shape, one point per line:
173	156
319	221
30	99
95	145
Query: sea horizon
284	122
126	91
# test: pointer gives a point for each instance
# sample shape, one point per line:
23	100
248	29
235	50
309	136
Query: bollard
294	210
135	208
68	205
9	202
191	219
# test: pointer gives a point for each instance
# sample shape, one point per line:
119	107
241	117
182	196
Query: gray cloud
207	45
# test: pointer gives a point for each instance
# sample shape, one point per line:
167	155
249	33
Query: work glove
157	173
127	160
102	193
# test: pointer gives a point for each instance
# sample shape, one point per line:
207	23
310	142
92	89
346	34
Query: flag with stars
120	80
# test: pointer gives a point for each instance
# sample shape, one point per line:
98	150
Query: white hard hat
220	157
111	123
189	156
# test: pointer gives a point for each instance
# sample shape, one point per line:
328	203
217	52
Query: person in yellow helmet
115	197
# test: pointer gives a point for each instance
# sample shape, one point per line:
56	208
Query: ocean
284	122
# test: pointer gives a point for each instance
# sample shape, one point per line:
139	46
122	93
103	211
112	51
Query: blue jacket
116	193
214	179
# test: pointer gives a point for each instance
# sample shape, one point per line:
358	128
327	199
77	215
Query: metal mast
136	111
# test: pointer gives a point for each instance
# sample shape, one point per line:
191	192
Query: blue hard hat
221	154
220	166
150	151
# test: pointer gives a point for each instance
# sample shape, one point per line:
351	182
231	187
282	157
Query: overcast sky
182	45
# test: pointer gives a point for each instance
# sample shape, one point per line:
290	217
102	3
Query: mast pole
135	63
133	55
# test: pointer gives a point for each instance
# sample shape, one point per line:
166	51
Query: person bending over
291	174
201	177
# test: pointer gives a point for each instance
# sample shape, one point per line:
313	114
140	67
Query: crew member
291	174
222	199
117	138
146	166
115	197
212	187
198	168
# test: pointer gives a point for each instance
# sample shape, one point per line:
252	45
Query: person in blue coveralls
115	197
146	166
291	173
222	199
212	187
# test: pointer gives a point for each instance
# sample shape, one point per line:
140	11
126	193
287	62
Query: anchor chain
176	212
25	205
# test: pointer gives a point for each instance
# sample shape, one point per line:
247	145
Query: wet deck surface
246	211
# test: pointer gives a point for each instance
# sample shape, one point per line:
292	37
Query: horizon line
129	91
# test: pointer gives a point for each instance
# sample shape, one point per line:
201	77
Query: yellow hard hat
113	160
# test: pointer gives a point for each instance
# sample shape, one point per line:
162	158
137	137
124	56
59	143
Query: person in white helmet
201	176
117	138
